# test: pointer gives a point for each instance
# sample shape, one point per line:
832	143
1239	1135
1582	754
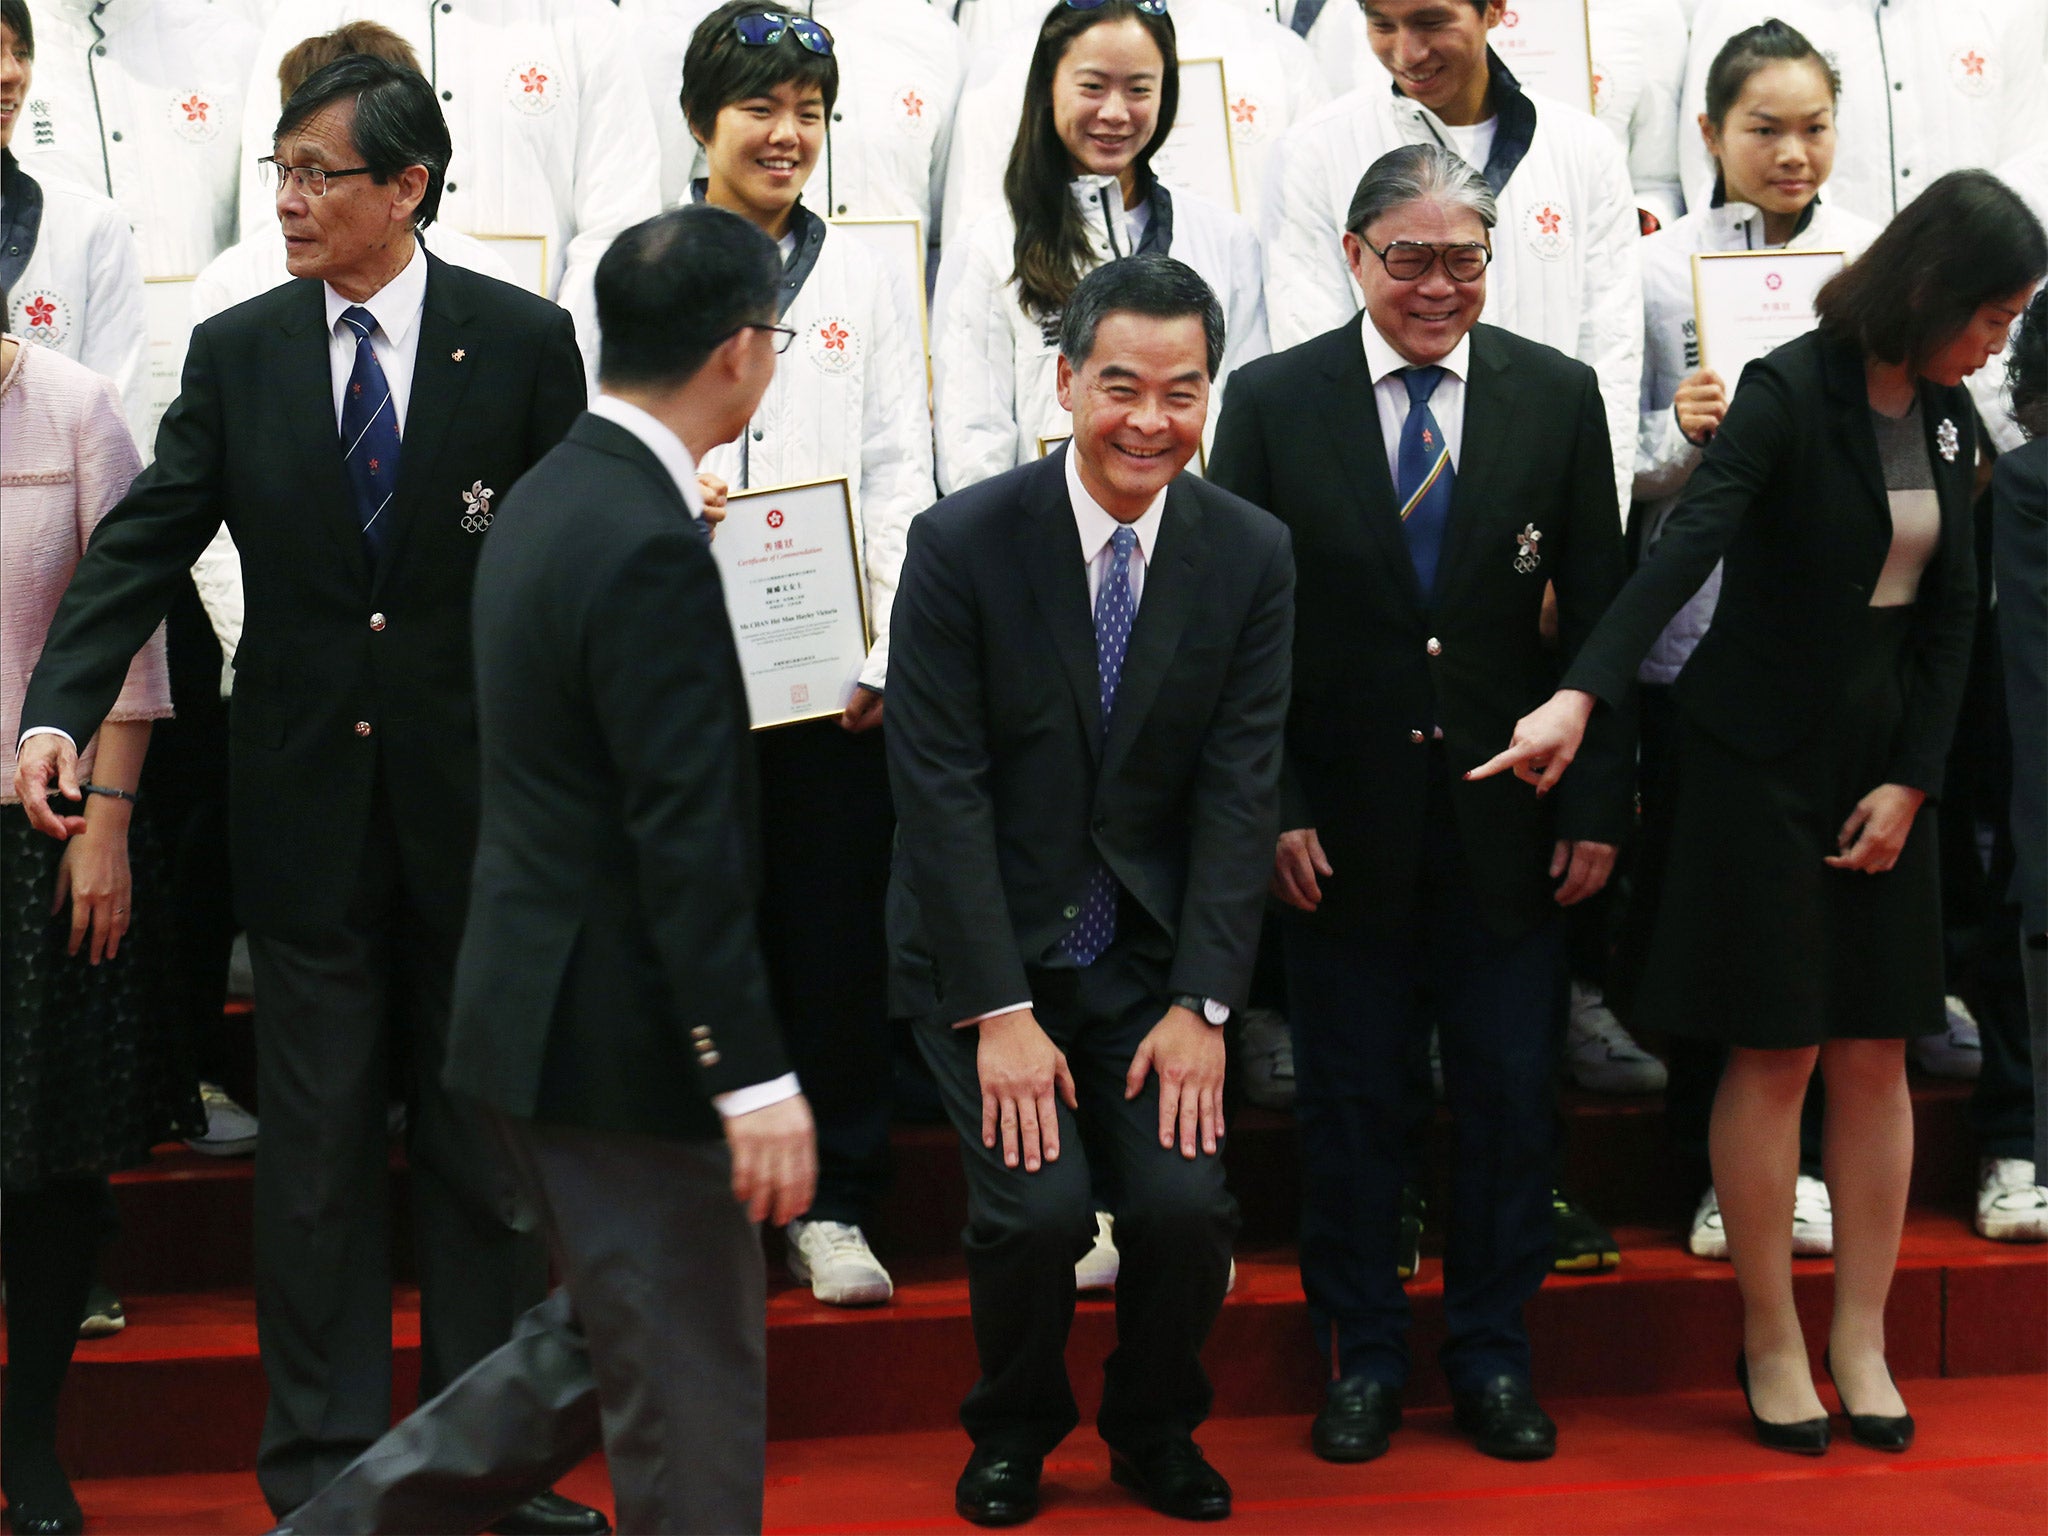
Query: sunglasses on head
764	29
1149	7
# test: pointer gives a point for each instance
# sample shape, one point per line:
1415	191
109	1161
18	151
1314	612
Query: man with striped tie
352	428
1086	696
1447	473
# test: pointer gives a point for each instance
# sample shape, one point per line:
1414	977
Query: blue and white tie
1425	477
1095	929
369	435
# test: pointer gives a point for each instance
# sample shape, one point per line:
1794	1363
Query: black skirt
95	1068
1756	941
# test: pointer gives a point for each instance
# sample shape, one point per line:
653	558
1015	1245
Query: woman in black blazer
1800	921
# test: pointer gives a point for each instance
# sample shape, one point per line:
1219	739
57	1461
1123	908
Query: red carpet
1678	1463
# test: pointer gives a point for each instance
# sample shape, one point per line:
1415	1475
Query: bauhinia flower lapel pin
1946	440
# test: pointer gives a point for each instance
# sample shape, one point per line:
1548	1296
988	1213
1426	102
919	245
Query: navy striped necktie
369	435
1426	477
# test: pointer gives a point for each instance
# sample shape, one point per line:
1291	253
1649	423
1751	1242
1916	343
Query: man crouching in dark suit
1086	809
1450	472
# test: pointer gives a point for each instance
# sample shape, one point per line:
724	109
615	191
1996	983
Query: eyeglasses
1149	7
1407	260
311	180
764	29
783	334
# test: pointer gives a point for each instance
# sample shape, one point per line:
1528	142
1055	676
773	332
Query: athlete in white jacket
899	78
2027	174
1928	86
1565	269
1269	77
1098	98
1638	69
547	143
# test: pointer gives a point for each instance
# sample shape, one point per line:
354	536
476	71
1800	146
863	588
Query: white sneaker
1099	1265
834	1259
1708	1238
1266	1052
1601	1055
230	1129
1958	1051
2011	1207
1813	1219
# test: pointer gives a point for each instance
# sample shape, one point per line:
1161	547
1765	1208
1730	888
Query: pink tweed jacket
65	459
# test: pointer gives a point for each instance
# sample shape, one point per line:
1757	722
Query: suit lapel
440	378
1488	409
1362	456
304	377
1051	557
1172	581
1849	400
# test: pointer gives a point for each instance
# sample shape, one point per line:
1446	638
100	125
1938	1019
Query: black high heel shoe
26	1519
1806	1437
1878	1431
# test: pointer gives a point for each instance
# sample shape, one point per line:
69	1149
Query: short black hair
719	69
2026	368
1752	49
673	287
14	16
398	123
1965	241
1149	284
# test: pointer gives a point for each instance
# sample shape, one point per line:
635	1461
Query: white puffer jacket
848	399
1565	268
994	365
886	148
1271	80
2026	174
1665	460
548	140
1928	86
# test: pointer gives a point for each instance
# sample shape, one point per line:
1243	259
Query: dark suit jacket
610	977
1008	791
2019	551
343	671
1377	668
1791	492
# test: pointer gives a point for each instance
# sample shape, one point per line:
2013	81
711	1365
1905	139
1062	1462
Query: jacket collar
797	267
1514	132
1100	199
21	221
1729	218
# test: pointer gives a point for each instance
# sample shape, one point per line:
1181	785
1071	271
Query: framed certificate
899	243
1200	153
790	564
167	312
1747	302
1549	47
527	255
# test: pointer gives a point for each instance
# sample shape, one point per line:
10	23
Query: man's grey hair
1419	173
1149	284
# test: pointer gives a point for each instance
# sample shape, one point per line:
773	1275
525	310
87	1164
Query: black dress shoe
1173	1478
1881	1432
1802	1437
1358	1417
1503	1420
1581	1245
549	1514
998	1488
44	1519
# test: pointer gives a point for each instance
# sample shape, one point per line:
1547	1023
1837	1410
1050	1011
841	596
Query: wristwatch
1203	1007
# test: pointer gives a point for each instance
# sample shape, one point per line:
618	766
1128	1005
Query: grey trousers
654	1345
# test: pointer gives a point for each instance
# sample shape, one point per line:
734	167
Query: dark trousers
1025	1231
333	1009
655	1344
827	825
1361	1004
49	1236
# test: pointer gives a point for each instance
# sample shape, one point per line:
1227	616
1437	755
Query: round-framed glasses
1465	261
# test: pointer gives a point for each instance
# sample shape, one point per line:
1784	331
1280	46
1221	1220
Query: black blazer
1791	493
2019	550
342	670
609	976
1007	790
1377	668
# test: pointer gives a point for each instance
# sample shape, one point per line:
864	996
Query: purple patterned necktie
1095	929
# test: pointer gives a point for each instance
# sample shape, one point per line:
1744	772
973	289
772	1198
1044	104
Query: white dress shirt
397	307
1097	529
1390	392
675	458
